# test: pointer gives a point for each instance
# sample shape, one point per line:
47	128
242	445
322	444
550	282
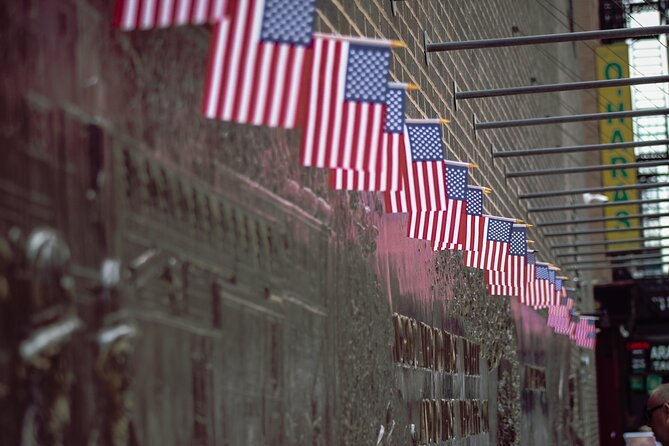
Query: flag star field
367	74
426	142
288	21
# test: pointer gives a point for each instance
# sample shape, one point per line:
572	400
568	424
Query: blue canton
564	302
531	258
558	284
542	272
456	182
592	335
395	111
474	201
425	142
518	241
499	230
288	21
551	276
367	73
571	292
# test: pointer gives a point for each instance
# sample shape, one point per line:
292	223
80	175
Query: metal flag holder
555	193
580	169
552	88
603	231
572	149
616	259
486	125
608	242
594	253
600	219
574	207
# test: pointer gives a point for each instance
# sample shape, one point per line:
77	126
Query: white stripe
279	92
201	11
366	113
348	127
394	161
165	15
377	116
385	175
441	185
258	108
250	55
183	10
130	13
217	11
309	142
294	88
339	105
149	9
322	143
217	70
231	72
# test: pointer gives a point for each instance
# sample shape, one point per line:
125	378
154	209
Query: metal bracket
425	40
392	6
453	92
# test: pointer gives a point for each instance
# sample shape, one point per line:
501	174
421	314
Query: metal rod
579	169
616	259
555	193
594	253
596	205
581	148
623	265
608	242
485	125
599	219
621	33
602	231
567	86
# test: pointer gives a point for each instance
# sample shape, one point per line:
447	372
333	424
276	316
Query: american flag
551	293
423	186
147	14
527	294
562	315
346	102
491	246
512	281
443	226
543	285
257	57
471	224
385	170
536	293
585	332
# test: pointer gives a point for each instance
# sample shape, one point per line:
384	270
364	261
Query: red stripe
156	12
227	63
245	50
319	48
192	12
268	100
210	67
256	82
286	90
138	16
119	8
173	15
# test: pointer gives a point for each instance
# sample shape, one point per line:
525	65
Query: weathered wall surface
263	302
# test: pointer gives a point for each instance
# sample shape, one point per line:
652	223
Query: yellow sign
612	63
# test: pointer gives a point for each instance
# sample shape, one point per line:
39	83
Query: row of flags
266	66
